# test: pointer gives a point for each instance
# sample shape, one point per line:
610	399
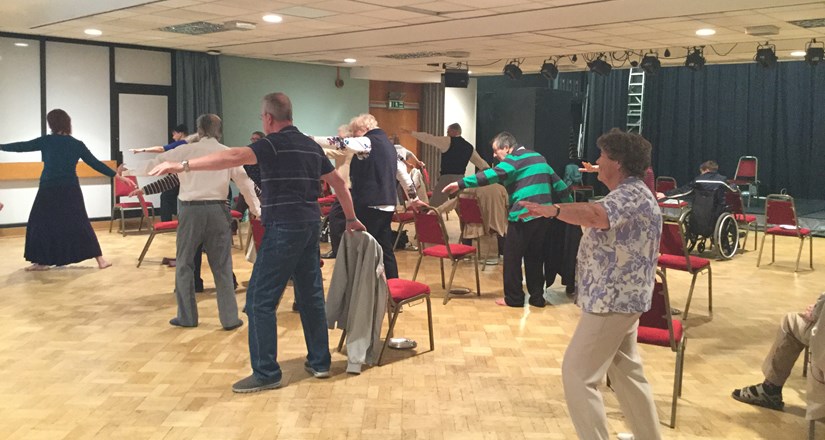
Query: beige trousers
793	336
605	343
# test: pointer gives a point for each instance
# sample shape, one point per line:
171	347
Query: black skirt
59	231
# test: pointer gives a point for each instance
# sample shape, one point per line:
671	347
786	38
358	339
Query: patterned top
527	176
617	266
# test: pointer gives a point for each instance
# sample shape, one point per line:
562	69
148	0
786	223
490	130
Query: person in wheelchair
709	216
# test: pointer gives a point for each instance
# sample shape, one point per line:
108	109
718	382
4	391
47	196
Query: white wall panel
143	123
19	96
143	67
460	106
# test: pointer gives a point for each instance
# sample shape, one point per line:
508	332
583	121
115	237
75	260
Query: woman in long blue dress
59	231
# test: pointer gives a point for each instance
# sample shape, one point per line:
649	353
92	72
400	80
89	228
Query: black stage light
574	58
766	55
650	64
512	70
600	66
549	70
695	60
814	54
667	53
634	63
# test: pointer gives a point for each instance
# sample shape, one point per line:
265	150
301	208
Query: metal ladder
635	100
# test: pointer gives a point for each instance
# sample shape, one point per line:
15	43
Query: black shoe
252	385
176	323
537	302
295	307
233	327
329	255
571	289
199	287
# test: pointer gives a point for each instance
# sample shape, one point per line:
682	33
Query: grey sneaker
252	384
315	373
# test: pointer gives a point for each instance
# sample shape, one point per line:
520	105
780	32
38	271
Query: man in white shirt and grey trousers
203	218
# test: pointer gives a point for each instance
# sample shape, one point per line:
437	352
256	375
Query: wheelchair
709	224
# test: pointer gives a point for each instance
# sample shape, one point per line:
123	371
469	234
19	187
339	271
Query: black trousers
379	225
337	225
169	204
524	241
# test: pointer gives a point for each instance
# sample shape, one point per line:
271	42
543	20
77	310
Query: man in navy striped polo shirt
291	165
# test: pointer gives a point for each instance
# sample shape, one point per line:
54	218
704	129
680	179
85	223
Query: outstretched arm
592	215
220	160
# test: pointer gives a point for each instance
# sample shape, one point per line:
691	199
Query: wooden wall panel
31	170
392	120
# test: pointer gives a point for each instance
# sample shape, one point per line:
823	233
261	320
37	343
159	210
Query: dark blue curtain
727	111
607	108
198	86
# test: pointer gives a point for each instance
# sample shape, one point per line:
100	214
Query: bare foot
501	302
37	268
102	263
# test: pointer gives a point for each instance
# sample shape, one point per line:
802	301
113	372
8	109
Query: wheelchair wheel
690	238
325	238
726	236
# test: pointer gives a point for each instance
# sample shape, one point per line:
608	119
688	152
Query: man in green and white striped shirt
527	177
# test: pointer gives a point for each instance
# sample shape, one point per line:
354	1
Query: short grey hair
345	130
505	140
209	125
364	121
279	106
454	126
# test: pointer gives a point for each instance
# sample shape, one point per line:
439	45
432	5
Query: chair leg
417	265
387	339
122	223
450	284
140	226
690	296
341	341
112	220
761	248
478	280
811	250
710	291
805	362
812	430
755	234
398	235
441	261
799	253
430	322
773	249
146	248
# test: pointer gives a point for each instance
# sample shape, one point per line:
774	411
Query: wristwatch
558	210
185	165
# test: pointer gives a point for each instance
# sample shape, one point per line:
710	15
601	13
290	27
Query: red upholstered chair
780	219
586	192
665	184
403	218
120	189
673	254
657	327
747	176
433	241
746	221
469	213
237	218
257	229
403	292
155	228
427	181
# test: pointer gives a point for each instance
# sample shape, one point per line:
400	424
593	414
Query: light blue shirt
616	267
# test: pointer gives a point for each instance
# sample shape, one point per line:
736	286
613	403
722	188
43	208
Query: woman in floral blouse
615	277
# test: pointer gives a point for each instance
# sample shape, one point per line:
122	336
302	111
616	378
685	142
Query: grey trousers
793	336
207	223
439	197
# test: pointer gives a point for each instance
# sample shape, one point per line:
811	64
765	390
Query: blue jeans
287	251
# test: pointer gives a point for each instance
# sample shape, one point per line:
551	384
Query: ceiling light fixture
695	60
766	55
213	52
600	66
18	44
350	60
814	52
650	63
273	18
549	69
93	32
798	53
512	69
706	32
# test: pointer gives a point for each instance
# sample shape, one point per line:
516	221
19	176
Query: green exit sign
395	104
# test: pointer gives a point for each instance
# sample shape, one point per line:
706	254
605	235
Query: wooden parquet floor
86	353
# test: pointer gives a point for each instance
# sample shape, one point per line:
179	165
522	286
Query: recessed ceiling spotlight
469	72
706	32
93	32
18	44
272	18
349	60
798	53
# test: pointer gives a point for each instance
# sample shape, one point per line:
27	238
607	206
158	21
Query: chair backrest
121	189
780	210
426	176
734	201
673	240
747	168
469	212
429	228
665	183
257	232
659	316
